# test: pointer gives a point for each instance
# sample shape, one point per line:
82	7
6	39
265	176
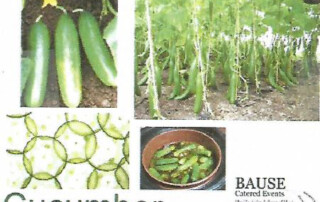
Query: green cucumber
68	61
96	50
110	35
26	68
39	46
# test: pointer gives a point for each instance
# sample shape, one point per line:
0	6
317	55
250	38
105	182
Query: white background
254	149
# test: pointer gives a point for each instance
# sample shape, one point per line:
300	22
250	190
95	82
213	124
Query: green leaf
27	165
57	183
93	179
60	150
61	130
43	176
270	21
30	145
91	146
80	128
109	166
77	160
103	119
60	169
122	178
17	116
113	132
26	182
14	151
125	149
31	125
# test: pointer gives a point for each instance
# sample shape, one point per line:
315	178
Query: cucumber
39	46
110	35
68	61
96	50
26	67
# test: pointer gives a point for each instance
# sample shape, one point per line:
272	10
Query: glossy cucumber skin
96	50
199	94
68	61
39	46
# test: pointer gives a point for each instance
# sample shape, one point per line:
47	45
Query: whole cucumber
39	46
68	61
96	50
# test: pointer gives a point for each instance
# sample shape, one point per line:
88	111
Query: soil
94	92
297	103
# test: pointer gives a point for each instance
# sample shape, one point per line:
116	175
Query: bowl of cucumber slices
181	159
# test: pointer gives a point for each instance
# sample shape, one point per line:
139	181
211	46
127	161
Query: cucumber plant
176	41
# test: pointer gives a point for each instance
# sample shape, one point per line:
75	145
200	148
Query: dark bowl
176	136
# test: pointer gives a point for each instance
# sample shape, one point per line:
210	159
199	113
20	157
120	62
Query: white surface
272	149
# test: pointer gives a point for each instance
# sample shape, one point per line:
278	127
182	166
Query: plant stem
203	71
151	72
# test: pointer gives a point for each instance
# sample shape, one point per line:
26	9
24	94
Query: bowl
175	136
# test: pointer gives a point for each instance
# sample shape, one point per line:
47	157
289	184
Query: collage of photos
199	66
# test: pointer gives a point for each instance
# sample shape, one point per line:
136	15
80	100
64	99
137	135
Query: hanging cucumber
176	79
39	46
211	76
252	66
271	73
232	91
172	53
137	90
171	70
96	50
199	94
68	61
152	101
288	68
191	88
285	78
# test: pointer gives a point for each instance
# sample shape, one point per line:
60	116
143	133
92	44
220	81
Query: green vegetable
68	61
166	161
176	79
203	159
163	152
195	172
26	68
188	163
192	82
203	151
199	94
168	167
180	163
39	46
110	35
184	149
185	179
232	91
155	173
137	90
206	165
96	50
